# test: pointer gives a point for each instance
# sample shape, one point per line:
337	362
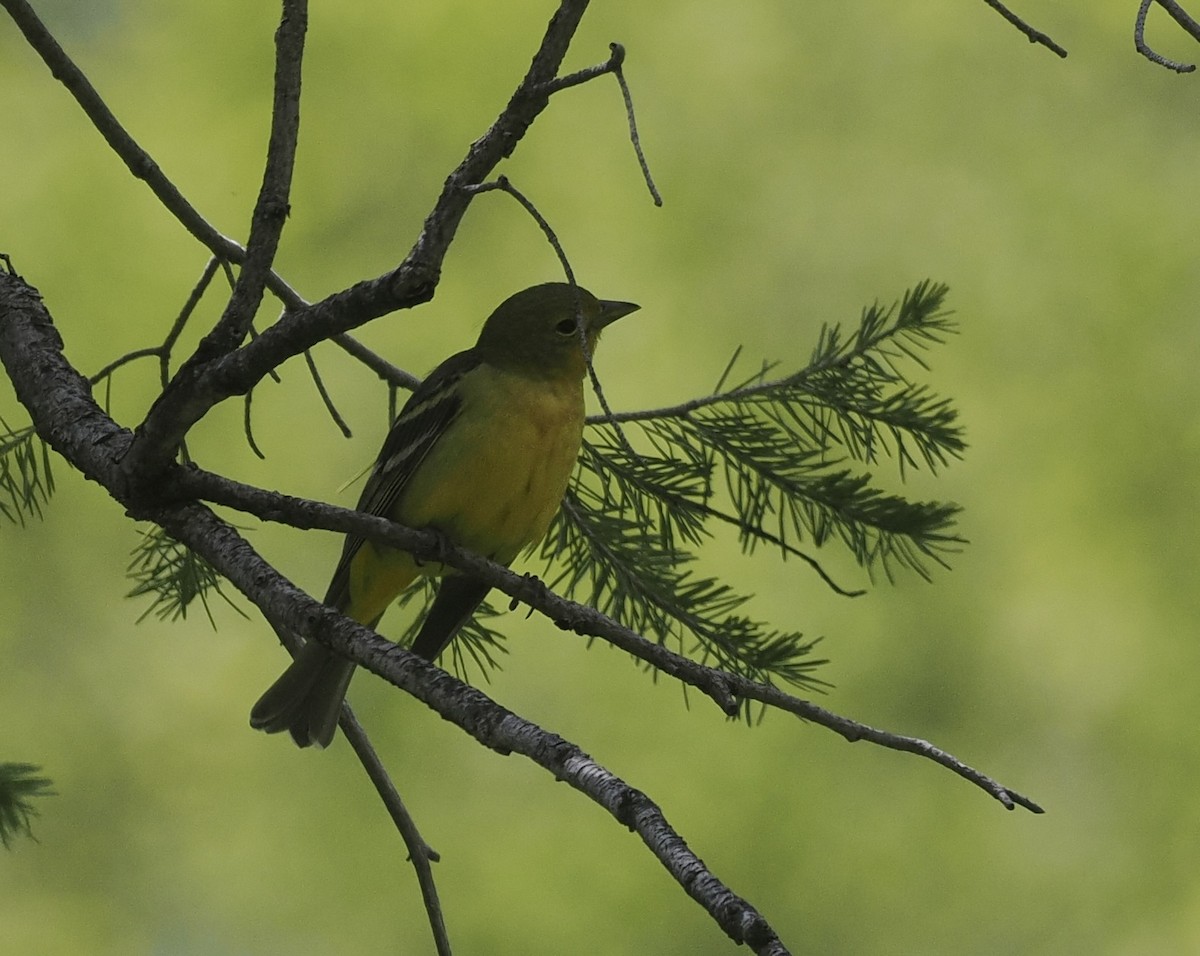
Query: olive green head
537	331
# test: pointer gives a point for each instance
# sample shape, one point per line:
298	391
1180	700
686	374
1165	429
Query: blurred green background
813	157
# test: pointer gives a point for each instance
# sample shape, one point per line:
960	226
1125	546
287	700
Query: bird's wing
429	411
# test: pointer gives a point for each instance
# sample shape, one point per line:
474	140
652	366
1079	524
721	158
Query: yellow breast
494	481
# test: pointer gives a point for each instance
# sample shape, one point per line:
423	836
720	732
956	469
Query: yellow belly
492	483
495	480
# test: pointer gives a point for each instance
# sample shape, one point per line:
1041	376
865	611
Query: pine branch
773	459
623	569
19	786
26	481
173	576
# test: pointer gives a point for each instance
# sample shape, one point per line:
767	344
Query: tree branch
1034	36
1139	34
184	401
1182	17
303	325
726	690
420	853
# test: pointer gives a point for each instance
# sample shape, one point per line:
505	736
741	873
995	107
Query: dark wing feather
426	415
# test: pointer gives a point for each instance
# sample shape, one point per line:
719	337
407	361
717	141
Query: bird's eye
565	327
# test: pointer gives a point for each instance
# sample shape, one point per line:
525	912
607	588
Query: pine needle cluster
26	482
785	461
172	576
20	784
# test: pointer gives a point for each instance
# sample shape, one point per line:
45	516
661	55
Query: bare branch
326	398
272	205
154	351
1034	36
184	400
392	374
420	853
619	56
723	688
248	425
612	65
1182	17
1139	34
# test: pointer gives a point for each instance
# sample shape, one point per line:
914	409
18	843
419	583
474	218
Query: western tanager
482	452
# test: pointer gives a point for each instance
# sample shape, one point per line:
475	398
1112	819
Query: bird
481	452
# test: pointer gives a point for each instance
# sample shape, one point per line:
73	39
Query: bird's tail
307	698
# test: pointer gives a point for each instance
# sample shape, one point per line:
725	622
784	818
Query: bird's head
536	330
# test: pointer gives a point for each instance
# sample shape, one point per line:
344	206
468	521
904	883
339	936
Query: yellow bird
482	452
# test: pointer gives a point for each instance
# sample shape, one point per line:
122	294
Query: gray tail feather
307	698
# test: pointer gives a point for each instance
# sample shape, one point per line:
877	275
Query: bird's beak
611	311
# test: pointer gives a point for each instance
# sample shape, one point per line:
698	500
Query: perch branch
726	690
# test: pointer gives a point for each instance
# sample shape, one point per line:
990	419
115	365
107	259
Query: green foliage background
813	157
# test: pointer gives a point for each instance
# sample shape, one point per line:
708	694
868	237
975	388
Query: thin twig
392	374
1182	17
165	425
583	76
683	409
763	534
612	65
181	320
619	57
274	373
246	426
154	351
503	184
1139	35
1034	36
420	853
325	397
163	352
